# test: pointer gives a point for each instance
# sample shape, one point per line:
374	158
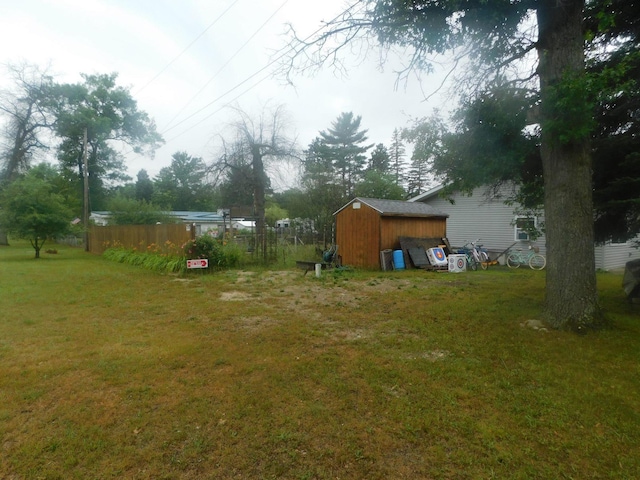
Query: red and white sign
198	263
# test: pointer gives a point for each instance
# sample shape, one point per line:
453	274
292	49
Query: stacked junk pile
424	253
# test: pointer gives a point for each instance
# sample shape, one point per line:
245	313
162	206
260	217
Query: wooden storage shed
366	226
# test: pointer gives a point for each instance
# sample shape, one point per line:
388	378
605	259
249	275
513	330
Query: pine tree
344	140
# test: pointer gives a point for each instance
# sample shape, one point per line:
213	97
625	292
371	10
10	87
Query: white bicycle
479	254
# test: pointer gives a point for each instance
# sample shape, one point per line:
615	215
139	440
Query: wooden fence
137	236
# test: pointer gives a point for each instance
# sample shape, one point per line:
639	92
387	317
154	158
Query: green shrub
218	252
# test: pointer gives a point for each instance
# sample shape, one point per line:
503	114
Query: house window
524	226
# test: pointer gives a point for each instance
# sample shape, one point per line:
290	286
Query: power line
186	48
285	51
225	105
224	65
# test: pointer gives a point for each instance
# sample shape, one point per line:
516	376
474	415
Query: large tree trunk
571	296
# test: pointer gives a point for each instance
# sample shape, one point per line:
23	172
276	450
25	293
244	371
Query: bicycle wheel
484	260
537	261
471	263
513	261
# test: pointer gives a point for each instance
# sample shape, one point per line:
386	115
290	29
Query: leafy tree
493	142
317	164
144	186
273	213
128	211
26	119
183	185
237	188
613	66
500	38
426	136
257	142
377	184
322	190
31	208
344	141
491	145
380	159
419	176
111	118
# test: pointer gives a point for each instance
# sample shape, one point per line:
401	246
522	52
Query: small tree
31	209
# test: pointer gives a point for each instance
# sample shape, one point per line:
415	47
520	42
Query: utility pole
85	171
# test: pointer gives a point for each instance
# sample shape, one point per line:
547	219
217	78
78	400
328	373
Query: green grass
113	371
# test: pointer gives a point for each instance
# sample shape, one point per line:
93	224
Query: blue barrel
398	260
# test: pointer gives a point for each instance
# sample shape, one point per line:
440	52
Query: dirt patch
254	322
431	355
234	296
244	277
353	335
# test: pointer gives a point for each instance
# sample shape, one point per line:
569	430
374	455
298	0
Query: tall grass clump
165	259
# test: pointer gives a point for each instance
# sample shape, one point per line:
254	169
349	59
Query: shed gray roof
398	208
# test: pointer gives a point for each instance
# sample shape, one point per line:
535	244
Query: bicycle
475	255
535	260
472	264
480	254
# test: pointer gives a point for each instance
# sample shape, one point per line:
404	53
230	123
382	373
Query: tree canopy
24	106
183	185
31	208
111	118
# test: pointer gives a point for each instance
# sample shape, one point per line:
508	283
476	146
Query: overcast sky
179	57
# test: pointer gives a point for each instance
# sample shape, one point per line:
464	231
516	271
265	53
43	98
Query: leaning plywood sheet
418	257
424	243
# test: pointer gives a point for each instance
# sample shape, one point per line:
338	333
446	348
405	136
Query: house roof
428	194
397	208
206	217
185	216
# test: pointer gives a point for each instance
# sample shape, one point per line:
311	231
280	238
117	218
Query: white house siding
477	216
615	255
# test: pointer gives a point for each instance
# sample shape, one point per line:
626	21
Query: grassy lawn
112	371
